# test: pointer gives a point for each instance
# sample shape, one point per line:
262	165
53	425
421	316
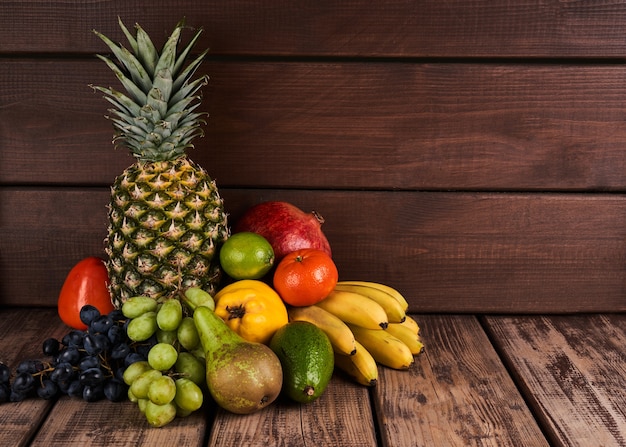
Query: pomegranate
285	226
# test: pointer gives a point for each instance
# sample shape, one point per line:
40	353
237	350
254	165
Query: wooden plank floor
469	387
457	393
572	370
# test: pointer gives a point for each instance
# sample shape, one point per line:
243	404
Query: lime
246	255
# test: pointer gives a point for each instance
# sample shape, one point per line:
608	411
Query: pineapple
166	217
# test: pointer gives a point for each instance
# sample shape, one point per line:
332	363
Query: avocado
307	360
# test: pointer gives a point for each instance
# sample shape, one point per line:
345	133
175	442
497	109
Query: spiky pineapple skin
166	225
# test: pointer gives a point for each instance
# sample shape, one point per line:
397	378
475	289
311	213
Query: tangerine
305	277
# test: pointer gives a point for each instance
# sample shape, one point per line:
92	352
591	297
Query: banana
394	310
361	366
339	334
411	324
384	347
355	308
385	288
408	337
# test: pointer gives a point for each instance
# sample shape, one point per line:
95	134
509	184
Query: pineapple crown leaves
155	118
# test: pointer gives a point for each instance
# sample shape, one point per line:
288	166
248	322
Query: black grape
5	373
115	390
51	347
70	355
62	372
88	313
48	389
5	392
92	377
23	383
93	393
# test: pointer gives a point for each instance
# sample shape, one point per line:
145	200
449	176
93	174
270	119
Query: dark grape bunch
86	364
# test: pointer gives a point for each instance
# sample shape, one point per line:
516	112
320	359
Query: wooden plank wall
469	153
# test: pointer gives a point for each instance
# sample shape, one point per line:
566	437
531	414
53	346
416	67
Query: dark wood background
469	154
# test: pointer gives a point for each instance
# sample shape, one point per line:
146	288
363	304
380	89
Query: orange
305	277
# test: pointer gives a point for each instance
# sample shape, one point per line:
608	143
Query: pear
241	376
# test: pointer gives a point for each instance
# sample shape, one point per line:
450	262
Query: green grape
170	315
180	413
189	396
138	305
140	385
131	396
162	390
142	327
168	337
188	334
134	370
199	353
198	297
141	403
160	415
191	367
162	356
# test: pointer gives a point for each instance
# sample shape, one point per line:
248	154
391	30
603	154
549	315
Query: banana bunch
367	325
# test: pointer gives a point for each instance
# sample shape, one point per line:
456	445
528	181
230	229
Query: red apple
285	226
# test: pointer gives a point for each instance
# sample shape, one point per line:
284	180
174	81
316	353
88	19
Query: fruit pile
158	323
295	322
365	322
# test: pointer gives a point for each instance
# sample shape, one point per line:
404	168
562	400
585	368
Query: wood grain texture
75	423
396	28
341	417
340	125
457	393
572	370
447	252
